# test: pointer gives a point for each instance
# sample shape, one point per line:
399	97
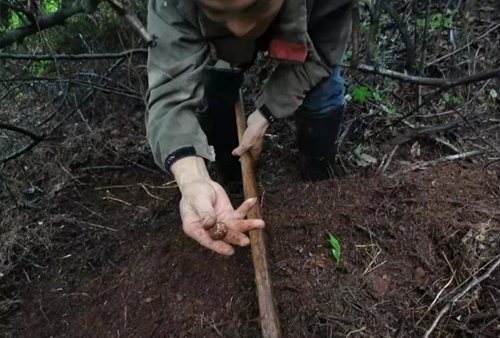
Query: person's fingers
201	236
246	143
202	206
245	225
244	208
236	238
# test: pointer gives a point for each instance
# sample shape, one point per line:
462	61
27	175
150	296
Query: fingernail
252	201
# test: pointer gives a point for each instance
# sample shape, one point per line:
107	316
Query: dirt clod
419	273
377	287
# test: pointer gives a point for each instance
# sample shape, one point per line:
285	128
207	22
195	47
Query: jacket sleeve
175	87
289	84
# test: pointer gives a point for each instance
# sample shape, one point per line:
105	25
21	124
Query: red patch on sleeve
288	50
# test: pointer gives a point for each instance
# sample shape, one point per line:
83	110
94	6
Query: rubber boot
317	135
217	118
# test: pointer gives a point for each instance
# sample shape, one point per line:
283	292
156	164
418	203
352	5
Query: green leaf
421	23
335	247
348	54
493	94
377	96
361	94
446	97
455	99
358	150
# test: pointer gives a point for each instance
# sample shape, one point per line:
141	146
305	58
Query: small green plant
348	54
335	247
493	94
365	27
377	96
436	21
39	68
361	94
358	150
452	99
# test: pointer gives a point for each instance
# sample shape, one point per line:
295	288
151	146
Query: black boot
217	118
317	135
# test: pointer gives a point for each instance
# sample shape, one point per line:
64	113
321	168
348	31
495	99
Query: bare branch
495	27
20	130
472	284
43	57
57	18
20	151
425	165
132	20
427	131
427	81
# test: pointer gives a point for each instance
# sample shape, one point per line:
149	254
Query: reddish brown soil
147	279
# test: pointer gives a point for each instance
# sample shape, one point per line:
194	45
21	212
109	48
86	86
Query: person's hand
253	137
204	203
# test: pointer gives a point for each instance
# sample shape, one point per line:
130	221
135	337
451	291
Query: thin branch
469	286
402	118
464	47
90	93
427	131
427	81
132	20
20	151
472	127
37	138
51	57
20	130
57	18
450	158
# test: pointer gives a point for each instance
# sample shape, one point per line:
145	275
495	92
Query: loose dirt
400	239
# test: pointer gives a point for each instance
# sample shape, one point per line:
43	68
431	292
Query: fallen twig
97	225
450	158
469	286
427	131
124	202
389	159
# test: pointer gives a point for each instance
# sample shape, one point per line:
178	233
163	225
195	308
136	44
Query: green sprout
335	247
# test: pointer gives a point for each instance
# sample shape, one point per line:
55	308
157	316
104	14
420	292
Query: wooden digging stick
269	322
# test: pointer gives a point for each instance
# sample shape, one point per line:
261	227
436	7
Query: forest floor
91	243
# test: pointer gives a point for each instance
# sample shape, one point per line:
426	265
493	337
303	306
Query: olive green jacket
308	37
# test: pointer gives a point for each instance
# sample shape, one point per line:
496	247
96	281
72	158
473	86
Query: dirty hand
204	203
253	137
